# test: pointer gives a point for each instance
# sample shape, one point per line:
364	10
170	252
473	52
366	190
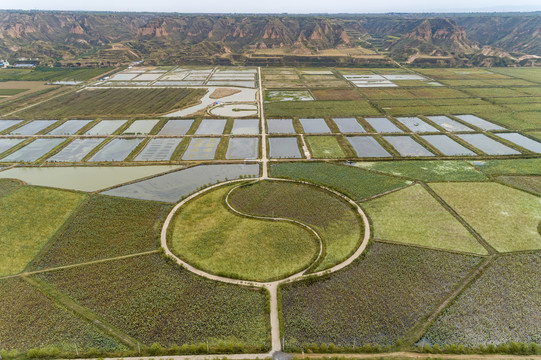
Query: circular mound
209	235
235	110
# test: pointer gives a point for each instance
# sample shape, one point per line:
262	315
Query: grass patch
375	300
106	227
153	300
501	307
31	320
527	183
29	217
9	185
115	102
211	237
325	147
320	108
333	219
494	92
356	183
509	167
454	170
336	94
506	218
413	216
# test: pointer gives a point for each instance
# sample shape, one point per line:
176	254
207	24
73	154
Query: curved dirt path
272	286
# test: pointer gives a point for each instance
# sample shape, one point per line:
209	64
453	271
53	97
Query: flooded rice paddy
447	146
158	150
201	149
367	146
416	125
76	150
348	125
242	148
174	186
449	124
383	125
142	127
105	127
245	127
34	150
116	150
406	146
284	147
314	126
280	126
70	127
176	127
487	145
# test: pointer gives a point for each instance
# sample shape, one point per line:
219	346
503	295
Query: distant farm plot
413	216
336	94
115	102
374	301
106	227
506	218
29	217
51	74
153	300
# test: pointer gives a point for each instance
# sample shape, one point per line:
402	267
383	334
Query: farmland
339	228
397	285
112	241
115	102
221	242
31	215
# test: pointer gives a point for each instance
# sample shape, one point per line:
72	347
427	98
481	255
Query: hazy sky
279	6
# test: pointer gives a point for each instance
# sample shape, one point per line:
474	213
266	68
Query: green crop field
208	235
509	167
32	320
153	300
506	218
504	305
375	301
106	227
334	220
29	217
355	183
325	147
115	102
427	170
413	216
527	183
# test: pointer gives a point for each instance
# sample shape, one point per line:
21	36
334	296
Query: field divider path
66	302
272	287
471	230
71	266
415	333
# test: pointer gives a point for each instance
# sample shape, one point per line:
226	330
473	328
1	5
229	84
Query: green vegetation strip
502	306
153	300
413	216
374	301
31	320
506	218
509	167
29	217
115	102
208	235
106	227
51	74
427	170
356	183
333	219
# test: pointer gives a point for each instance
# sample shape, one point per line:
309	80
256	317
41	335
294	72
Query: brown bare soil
336	94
